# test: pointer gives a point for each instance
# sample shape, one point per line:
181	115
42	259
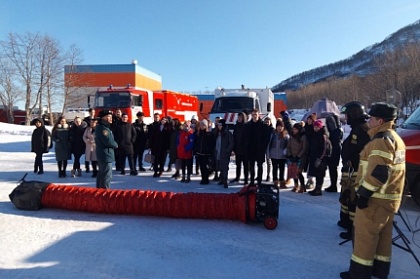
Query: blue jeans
103	180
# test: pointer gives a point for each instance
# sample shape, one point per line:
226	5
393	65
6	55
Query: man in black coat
257	138
126	137
159	143
141	140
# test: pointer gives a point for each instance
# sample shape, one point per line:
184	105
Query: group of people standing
372	174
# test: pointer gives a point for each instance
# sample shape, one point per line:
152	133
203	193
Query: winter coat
204	143
336	137
277	147
223	148
185	144
61	138
89	139
297	149
256	136
41	139
317	150
125	137
78	145
238	136
141	136
173	154
105	142
159	140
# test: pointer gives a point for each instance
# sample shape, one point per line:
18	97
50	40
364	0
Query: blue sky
199	45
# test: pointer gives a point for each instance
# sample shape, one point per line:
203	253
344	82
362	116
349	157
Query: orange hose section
147	203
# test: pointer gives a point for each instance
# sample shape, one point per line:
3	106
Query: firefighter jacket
354	144
381	173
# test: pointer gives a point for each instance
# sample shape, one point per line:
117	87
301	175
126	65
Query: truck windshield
232	104
412	122
113	99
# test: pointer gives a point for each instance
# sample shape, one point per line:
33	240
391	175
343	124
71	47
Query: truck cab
410	133
228	103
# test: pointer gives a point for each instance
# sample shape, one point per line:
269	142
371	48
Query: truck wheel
270	223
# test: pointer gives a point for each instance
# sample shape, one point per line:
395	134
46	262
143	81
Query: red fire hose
148	203
33	195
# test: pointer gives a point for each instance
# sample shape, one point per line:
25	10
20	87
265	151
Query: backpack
328	147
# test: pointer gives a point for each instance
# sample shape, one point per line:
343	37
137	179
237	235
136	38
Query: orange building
82	81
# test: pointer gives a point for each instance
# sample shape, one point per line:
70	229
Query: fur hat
383	110
298	125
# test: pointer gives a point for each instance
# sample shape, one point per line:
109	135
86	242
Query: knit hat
223	122
318	123
204	122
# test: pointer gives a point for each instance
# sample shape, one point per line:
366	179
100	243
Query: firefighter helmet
354	111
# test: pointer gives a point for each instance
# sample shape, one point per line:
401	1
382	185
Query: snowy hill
360	64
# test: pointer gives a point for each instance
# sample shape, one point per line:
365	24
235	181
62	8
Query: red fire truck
18	115
133	100
410	133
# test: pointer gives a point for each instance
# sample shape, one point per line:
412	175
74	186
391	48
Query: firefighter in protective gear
352	146
379	192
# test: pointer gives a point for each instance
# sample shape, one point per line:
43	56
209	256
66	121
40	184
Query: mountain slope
361	63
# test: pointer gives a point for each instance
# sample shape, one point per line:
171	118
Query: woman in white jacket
89	139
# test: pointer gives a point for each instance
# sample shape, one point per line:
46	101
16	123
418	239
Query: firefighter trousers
372	242
347	199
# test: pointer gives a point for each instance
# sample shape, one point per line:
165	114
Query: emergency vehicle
228	103
133	100
18	115
410	133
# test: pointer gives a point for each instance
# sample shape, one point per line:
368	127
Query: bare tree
73	57
23	51
38	64
9	93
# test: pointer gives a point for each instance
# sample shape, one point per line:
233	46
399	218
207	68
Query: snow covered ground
53	243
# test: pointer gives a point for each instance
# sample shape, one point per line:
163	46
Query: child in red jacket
185	146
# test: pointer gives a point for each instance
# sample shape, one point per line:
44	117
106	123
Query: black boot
225	184
87	166
345	275
316	192
176	175
346	235
183	178
188	180
331	189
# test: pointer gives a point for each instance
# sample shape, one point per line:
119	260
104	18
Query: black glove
362	202
345	197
